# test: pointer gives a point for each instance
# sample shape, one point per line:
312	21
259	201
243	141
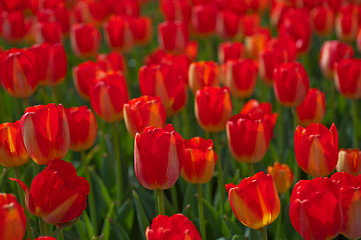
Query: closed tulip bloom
13	26
331	53
350	198
213	108
113	61
85	39
316	149
175	9
253	106
255	200
12	149
12	218
45	132
84	75
57	195
256	43
158	157
199	160
203	19
227	24
230	51
313	108
19	75
118	33
83	128
346	23
90	12
177	227
142	29
142	112
108	96
348	78
315	209
282	176
240	76
203	74
48	32
322	20
173	36
291	84
349	160
249	135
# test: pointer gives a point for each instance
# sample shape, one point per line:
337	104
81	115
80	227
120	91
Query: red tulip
84	75
85	39
282	176
11	5
113	61
227	25
108	96
315	209
118	33
240	76
291	83
45	238
177	227
125	7
358	40
173	36
59	14
13	27
143	112
82	127
316	149
57	194
331	53
12	149
45	132
256	43
255	200
322	20
350	198
249	135
142	29
346	23
203	19
253	106
93	12
230	51
349	160
203	74
48	32
313	108
213	108
249	24
175	9
12	218
199	160
158	157
348	78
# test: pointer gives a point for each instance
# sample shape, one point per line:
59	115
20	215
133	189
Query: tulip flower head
349	160
230	51
322	20
203	74
85	39
173	36
84	75
348	78
282	176
118	33
313	108
57	194
255	200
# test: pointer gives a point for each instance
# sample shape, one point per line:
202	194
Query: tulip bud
142	29
347	78
84	75
255	200
230	51
48	32
118	33
322	20
93	12
173	36
346	24
313	108
203	74
282	176
203	19
349	160
227	23
13	26
85	39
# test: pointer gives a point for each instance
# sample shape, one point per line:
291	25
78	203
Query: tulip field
180	119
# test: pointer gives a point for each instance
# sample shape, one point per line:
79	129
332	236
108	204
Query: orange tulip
256	43
203	74
85	39
313	108
282	176
349	160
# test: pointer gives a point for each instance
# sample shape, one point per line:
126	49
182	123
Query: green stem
201	212
220	172
296	169
53	93
279	220
264	233
43	226
25	103
355	128
160	201
61	235
185	122
174	195
91	194
118	167
279	128
250	169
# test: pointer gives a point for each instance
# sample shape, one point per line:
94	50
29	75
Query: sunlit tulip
256	43
315	209
203	74
349	160
203	19
316	149
177	227
158	157
85	39
143	112
282	176
118	33
322	20
12	218
213	108
346	23
84	75
230	51
348	78
57	194
175	9
173	36
45	132
199	160
255	200
313	108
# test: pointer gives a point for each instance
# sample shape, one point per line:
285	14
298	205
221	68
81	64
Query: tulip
12	149
230	51
57	194
45	132
240	76
331	53
113	61
284	43
348	78
125	7
181	64
315	209
48	32
313	108
322	20
173	36
256	43
142	29
175	9
291	84
203	74
203	19
255	200
249	24
19	73
213	108
177	227
82	127
350	199
11	5
13	26
118	33
108	96
346	24
85	39
93	12
12	218
253	106
162	80
45	238
316	149
158	157
227	23
282	176
249	135
349	160
84	75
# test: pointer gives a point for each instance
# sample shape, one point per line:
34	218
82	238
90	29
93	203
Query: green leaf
88	226
106	223
99	186
125	214
141	216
